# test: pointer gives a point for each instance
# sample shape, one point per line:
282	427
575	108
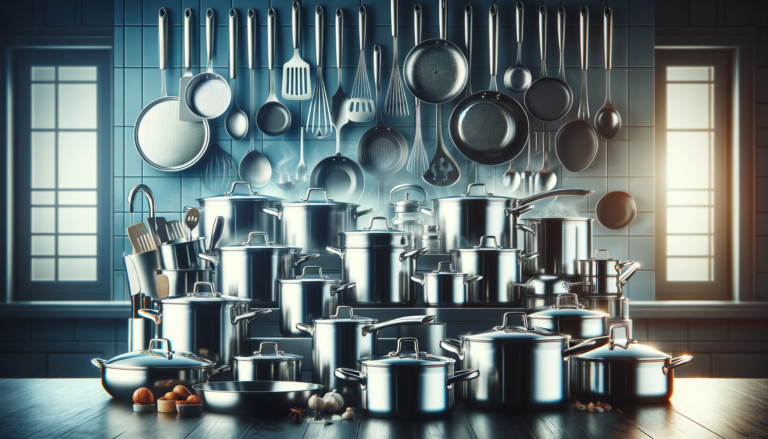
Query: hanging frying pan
616	210
549	99
162	140
208	93
435	71
489	127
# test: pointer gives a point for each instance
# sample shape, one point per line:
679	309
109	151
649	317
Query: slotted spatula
175	230
296	83
140	238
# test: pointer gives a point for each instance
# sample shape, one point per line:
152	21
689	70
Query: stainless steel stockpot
207	324
604	276
560	243
520	366
182	254
380	262
464	219
305	298
570	318
267	366
501	270
314	225
340	341
624	371
406	384
243	213
159	370
250	270
445	287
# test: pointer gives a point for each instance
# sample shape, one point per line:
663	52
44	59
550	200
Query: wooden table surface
700	408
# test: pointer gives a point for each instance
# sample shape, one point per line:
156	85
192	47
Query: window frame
22	287
722	60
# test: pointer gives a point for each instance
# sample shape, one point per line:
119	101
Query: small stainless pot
181	282
306	298
604	276
406	384
445	288
182	254
314	225
267	366
500	268
624	371
560	243
570	318
159	370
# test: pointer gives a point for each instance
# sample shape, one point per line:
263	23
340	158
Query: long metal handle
554	193
462	375
162	30
414	253
519	12
627	275
296	23
251	38
468	30
517	211
187	39
377	69
410	320
350	375
471	279
306	328
454	346
336	251
210	27
561	41
443	19
584	35
586	346
362	25
543	36
607	36
339	40
304	258
233	43
249	316
493	38
151	314
319	23
394	12
419	280
417	23
216	231
98	362
677	362
271	37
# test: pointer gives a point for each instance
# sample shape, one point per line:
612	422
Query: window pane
43	160
43	245
693	269
689	74
688	198
43	197
77	245
77	106
678	245
688	160
43	219
77	73
81	198
687	106
43	269
77	220
43	73
43	105
77	269
687	220
77	159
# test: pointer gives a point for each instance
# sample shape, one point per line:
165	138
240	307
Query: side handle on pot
517	211
627	275
413	253
247	316
526	229
336	251
673	363
462	375
410	320
224	368
527	257
351	375
273	212
363	212
341	288
213	258
471	279
304	258
306	328
150	314
419	280
586	346
454	346
98	362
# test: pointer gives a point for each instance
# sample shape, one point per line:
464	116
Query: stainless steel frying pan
208	93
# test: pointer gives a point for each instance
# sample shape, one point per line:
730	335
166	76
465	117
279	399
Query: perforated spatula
296	83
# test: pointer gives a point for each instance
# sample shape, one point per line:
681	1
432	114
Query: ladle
545	179
511	179
608	119
517	79
526	178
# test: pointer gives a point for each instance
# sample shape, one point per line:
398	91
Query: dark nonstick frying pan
435	71
489	127
549	99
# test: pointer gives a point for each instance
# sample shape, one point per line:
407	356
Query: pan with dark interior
616	210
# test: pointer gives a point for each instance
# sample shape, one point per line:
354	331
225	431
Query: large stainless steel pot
243	214
250	270
445	287
570	318
267	366
501	270
182	254
406	384
340	341
381	263
159	370
255	397
464	219
305	298
207	324
605	276
520	366
560	243
624	371
314	225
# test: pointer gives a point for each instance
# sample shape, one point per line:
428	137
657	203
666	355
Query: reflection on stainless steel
305	298
408	212
146	265
255	397
182	254
430	239
267	365
428	336
605	276
561	243
181	282
615	307
445	286
570	318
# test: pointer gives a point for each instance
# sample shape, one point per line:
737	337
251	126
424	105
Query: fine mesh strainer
382	150
208	94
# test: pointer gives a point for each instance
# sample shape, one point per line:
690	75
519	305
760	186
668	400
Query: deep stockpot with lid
339	341
464	219
380	262
267	366
404	384
520	366
569	317
314	225
560	242
500	268
445	286
624	371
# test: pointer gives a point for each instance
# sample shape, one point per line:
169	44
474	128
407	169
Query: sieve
162	140
208	94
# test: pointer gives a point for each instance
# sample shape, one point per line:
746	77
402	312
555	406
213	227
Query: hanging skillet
549	99
435	71
208	93
489	127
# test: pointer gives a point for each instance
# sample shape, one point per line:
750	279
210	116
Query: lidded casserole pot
267	366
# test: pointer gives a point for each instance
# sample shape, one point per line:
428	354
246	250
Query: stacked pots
445	287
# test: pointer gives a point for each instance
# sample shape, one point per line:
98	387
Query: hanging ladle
608	119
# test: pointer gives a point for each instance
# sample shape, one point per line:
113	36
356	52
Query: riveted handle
470	186
338	311
316	189
304	258
210	28
523	319
519	12
350	375
187	38
251	22
493	37
394	19
607	36
197	286
244	183
485	242
271	37
462	375
268	343
296	23
401	341
306	328
336	251
362	25
413	253
262	234
233	43
155	341
162	30
247	316
419	280
381	218
319	23
677	362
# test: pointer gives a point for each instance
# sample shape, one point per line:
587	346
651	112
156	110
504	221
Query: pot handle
527	257
403	187
232	190
98	362
454	346
336	251
419	280
151	314
351	375
586	346
247	316
471	185
316	189
462	375
627	275
274	212
673	363
426	211
310	267
306	328
383	218
554	193
343	287
605	250
517	211
470	279
569	285
485	242
304	258
413	253
363	212
262	234
410	320
213	257
526	229
224	368
216	231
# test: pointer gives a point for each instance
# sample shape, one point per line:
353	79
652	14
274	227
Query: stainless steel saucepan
267	366
445	287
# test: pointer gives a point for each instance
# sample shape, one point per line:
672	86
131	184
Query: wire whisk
319	116
395	104
418	162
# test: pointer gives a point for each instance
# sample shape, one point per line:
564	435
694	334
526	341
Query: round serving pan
255	397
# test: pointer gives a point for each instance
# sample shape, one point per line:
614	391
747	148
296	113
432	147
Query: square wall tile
616	246
643	190
667	329
618	158
133	101
643	286
642	46
167	192
642	12
739	365
643	225
642	154
119	46
133	12
118	154
641	97
707	329
643	251
133	46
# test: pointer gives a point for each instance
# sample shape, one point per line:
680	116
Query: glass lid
251	195
566	306
197	296
262	355
402	357
514	328
325	201
623	349
338	319
153	358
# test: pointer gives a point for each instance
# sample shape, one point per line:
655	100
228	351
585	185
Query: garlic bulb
349	414
316	404
333	402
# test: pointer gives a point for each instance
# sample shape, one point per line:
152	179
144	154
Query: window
693	181
61	174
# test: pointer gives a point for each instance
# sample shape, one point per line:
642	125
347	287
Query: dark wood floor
700	408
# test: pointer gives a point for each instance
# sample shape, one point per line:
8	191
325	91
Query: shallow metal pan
255	397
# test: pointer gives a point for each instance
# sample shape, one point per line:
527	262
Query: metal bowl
255	397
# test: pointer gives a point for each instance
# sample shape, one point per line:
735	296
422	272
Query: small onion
333	402
316	404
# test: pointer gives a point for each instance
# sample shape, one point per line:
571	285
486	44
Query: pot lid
559	218
401	358
253	245
370	231
468	197
325	201
158	359
441	271
564	309
488	243
515	332
305	277
262	355
623	349
252	195
337	319
196	296
546	285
